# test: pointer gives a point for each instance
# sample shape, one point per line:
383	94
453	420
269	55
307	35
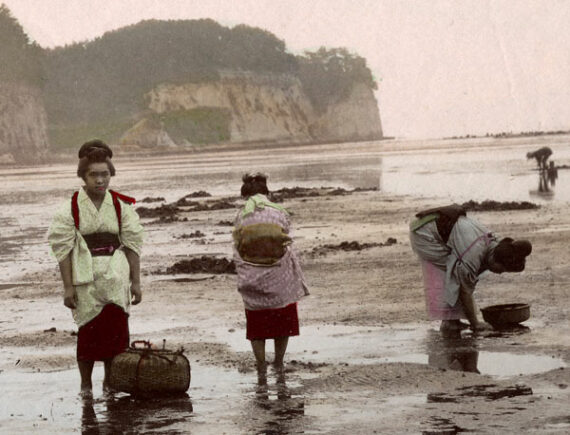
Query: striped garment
269	286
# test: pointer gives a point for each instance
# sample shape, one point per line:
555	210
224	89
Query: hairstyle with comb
254	184
94	151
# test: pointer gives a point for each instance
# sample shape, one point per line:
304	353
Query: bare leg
280	348
258	347
106	386
85	370
470	309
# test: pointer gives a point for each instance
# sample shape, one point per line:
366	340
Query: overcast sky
443	67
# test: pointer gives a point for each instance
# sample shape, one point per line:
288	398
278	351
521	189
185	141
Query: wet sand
367	360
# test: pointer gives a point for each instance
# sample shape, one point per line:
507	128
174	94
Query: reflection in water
89	422
460	175
276	409
552	174
547	177
452	351
126	414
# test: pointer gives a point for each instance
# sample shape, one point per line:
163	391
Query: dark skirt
104	337
272	322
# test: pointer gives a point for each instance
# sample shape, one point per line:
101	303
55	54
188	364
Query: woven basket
147	371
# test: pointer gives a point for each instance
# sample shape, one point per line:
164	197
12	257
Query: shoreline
367	358
386	145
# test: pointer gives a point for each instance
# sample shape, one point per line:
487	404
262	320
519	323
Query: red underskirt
104	337
272	323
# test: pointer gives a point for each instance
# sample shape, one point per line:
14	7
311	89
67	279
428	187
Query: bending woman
270	279
455	250
96	237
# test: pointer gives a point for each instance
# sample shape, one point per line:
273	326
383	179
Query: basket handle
144	343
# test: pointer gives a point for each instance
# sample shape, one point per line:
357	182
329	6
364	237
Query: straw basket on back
142	370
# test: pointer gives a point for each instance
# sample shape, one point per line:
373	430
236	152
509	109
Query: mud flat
367	359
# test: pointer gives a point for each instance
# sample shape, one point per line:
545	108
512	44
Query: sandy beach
367	361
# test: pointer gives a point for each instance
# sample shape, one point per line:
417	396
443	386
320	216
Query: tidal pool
219	401
342	344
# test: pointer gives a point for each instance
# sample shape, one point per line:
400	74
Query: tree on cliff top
20	59
328	75
98	87
111	73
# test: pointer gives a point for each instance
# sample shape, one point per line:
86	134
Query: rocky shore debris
152	199
203	264
350	246
198	194
225	223
195	235
487	391
167	220
490	205
163	211
441	426
168	213
305	192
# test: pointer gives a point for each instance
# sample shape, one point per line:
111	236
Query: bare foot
278	366
453	325
86	393
108	390
481	326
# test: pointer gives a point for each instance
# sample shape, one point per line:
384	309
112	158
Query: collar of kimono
260	201
108	199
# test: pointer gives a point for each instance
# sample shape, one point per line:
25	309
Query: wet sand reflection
127	414
275	407
452	351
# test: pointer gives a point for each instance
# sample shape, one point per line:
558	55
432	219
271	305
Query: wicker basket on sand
145	371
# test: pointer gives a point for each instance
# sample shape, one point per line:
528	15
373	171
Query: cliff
23	124
251	107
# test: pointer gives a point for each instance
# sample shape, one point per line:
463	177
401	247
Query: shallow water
459	175
340	344
223	400
31	195
226	400
219	401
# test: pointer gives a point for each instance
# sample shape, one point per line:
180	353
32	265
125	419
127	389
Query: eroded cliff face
23	124
354	119
262	108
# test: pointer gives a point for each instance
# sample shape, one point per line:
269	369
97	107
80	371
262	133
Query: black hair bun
92	145
258	177
511	253
522	248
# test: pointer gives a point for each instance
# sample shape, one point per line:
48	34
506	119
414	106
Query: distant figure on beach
541	155
270	279
96	237
454	250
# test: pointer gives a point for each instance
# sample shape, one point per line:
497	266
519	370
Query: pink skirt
104	337
272	322
434	285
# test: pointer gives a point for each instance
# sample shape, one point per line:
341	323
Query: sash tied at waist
102	243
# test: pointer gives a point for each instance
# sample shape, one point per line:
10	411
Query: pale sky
444	67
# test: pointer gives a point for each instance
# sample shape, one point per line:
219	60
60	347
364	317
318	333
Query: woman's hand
136	293
70	297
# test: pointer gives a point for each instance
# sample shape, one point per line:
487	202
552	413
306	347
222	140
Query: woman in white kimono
96	237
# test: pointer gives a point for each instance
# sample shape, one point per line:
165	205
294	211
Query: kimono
102	282
460	260
269	289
